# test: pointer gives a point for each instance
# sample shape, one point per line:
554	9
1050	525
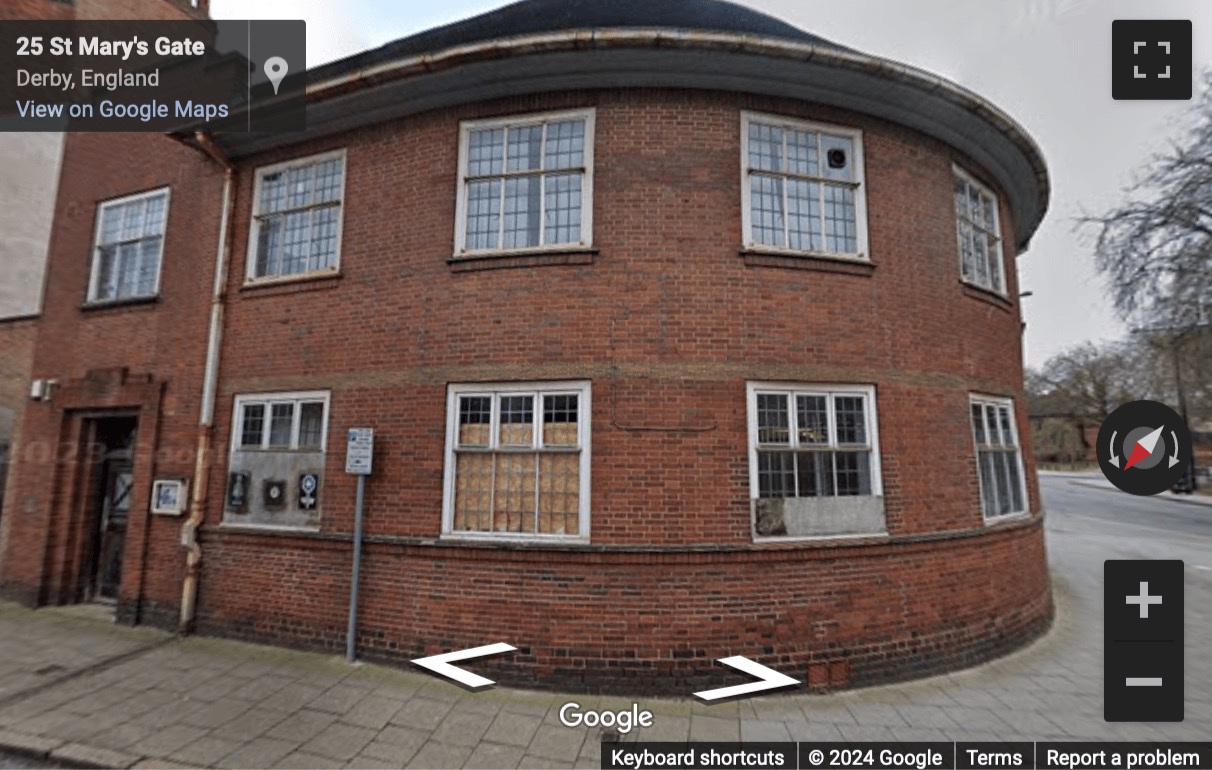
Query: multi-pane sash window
810	443
517	461
282	422
526	183
980	242
297	217
803	187
129	247
998	457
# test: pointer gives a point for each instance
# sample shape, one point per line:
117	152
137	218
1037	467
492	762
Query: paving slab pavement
76	689
155	710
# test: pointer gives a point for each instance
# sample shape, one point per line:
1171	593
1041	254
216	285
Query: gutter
656	37
206	419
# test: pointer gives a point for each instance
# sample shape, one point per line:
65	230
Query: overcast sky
1045	62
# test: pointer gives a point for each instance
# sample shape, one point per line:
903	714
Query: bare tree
1156	248
1071	395
1080	383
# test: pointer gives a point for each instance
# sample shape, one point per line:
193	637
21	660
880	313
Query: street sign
358	451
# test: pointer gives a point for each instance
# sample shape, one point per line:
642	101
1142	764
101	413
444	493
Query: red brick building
684	334
29	172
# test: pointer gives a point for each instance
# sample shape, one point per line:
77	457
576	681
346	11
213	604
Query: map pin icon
275	70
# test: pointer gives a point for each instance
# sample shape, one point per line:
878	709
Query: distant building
684	334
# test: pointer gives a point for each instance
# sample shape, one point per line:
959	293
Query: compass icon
1144	448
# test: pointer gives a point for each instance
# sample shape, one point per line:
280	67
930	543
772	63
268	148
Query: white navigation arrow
440	664
1174	458
770	680
1114	457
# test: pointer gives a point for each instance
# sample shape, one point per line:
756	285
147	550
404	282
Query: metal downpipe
201	480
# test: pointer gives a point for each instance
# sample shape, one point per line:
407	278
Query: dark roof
530	17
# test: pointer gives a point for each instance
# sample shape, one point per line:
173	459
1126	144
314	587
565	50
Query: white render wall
29	177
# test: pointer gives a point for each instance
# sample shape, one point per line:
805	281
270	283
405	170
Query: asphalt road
1088	523
1122	526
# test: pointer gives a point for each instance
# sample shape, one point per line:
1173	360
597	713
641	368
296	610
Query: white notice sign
358	451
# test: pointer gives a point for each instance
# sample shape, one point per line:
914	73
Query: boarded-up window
518	461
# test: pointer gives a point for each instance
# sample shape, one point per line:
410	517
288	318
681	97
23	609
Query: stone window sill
120	304
272	287
999	301
267	529
820	263
518	259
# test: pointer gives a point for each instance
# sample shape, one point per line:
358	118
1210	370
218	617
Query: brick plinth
650	621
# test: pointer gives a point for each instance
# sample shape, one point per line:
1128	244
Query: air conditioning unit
38	390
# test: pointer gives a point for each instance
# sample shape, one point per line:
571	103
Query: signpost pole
359	459
350	644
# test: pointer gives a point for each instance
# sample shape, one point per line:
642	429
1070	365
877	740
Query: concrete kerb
38	750
1197	500
32	746
1096	481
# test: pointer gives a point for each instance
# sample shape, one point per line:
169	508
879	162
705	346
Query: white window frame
998	402
95	271
589	115
791	390
268	400
860	188
960	173
495	391
254	227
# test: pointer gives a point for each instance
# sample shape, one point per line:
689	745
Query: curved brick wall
668	320
654	622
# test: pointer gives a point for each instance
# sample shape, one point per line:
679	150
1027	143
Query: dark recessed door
112	534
